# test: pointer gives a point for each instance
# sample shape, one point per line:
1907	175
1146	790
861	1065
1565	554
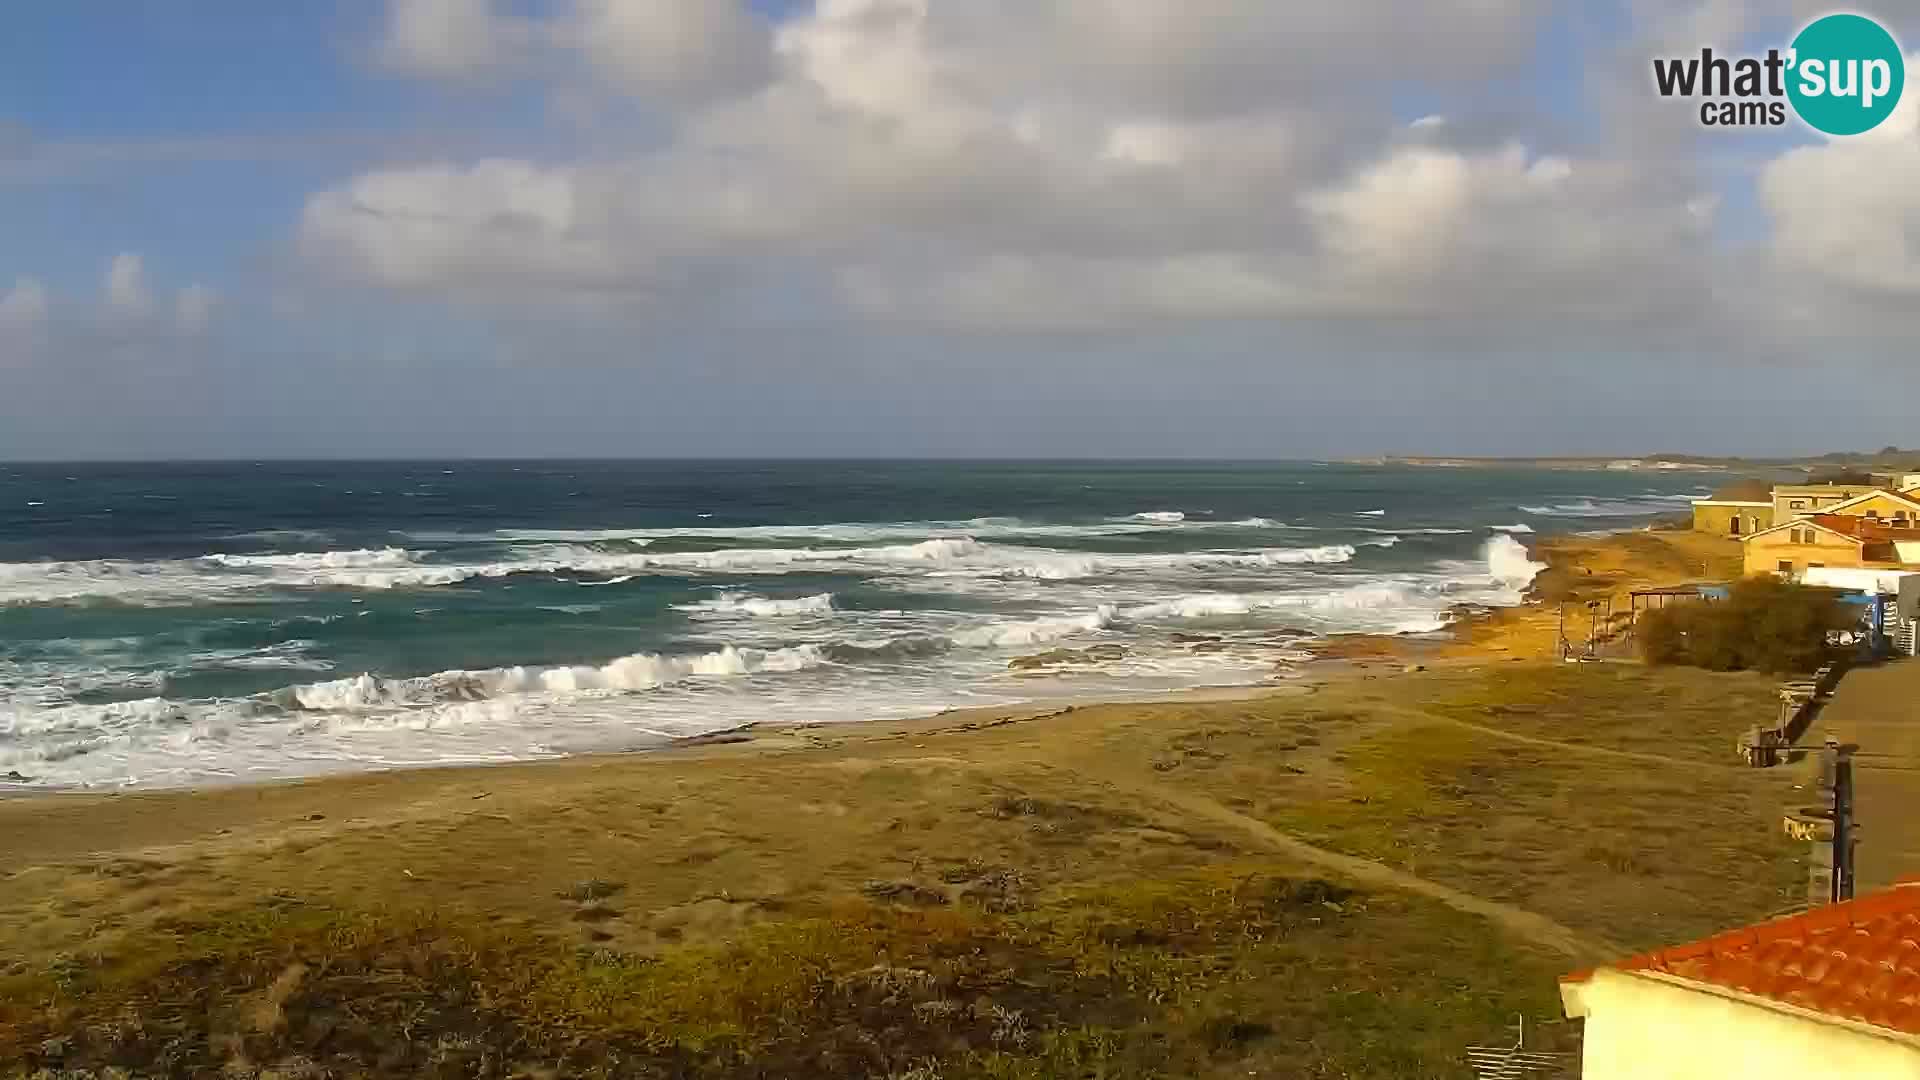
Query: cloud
448	38
496	226
24	307
193	308
126	319
673	50
1077	163
1098	165
1846	212
126	287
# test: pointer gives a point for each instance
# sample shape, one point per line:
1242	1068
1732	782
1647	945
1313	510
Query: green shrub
1764	625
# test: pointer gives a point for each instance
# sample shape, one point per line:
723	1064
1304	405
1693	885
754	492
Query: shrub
1763	625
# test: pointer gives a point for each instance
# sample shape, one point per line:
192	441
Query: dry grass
1239	967
953	898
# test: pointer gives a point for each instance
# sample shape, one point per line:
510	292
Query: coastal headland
1356	873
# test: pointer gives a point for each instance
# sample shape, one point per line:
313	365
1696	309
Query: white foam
640	671
1601	507
1509	563
1369	513
857	532
1035	631
737	604
318	560
1521	527
285	656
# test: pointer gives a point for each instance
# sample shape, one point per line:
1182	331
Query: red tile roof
1856	527
1858	960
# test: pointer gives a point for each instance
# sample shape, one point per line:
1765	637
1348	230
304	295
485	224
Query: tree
1764	624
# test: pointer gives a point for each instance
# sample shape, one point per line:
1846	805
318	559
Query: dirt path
1526	924
1634	756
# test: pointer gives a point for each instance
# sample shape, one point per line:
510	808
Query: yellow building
1800	544
1802	500
1827	993
1894	509
1739	509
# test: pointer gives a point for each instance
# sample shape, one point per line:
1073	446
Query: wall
1894	512
1714	516
1799	500
1644	1028
1765	553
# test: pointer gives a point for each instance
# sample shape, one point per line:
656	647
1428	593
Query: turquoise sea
167	624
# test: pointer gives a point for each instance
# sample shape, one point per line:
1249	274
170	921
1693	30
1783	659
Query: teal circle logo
1845	74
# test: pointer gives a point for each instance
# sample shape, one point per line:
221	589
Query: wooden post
1843	824
1830	871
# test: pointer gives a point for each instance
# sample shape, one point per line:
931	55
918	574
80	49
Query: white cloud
193	308
1846	211
24	307
496	225
126	287
446	38
670	49
1045	165
678	48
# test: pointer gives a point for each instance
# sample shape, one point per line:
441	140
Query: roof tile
1858	960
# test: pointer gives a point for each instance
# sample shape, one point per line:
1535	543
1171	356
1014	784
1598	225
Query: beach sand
1356	874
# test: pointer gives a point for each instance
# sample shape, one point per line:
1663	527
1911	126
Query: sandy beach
1358	873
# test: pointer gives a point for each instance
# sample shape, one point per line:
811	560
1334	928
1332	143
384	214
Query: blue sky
662	216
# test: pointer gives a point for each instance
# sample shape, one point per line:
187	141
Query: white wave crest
318	560
737	604
284	656
1509	563
1599	507
852	532
1035	631
640	671
1520	527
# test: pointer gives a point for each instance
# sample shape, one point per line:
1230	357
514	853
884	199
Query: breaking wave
640	671
1509	563
736	604
1156	521
318	560
220	577
1590	508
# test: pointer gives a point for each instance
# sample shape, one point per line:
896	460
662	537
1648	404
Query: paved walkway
1878	709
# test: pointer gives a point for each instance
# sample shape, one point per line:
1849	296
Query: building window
1874	514
1798	504
1785	566
1816	566
1734	528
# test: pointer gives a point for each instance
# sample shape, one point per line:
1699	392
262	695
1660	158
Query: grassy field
1356	881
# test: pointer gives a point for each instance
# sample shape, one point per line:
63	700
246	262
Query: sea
195	624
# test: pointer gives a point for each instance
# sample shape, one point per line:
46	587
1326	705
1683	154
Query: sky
903	228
